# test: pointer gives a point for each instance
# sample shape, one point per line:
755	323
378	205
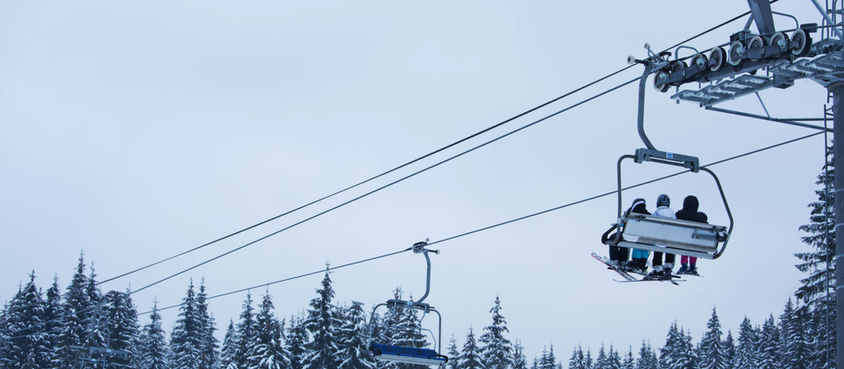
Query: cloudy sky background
134	131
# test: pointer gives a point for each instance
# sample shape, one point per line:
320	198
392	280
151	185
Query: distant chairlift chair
402	354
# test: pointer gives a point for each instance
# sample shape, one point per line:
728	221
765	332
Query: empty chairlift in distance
403	354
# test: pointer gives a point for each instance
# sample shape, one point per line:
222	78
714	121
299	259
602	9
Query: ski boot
693	269
654	275
666	271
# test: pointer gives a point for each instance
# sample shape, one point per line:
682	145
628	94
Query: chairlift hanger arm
641	112
726	206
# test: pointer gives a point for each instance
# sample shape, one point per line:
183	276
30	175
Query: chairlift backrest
674	236
653	233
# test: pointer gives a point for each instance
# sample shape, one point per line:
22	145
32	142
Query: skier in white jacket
662	271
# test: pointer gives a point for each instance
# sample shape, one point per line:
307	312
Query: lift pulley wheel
737	52
678	68
780	40
699	60
661	80
800	43
717	59
757	42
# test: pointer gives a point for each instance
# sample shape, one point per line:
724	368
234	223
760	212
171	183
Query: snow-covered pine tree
383	333
9	348
576	359
519	359
613	359
354	353
208	355
5	333
601	360
267	349
323	324
769	357
228	352
96	335
471	357
410	335
818	289
629	362
688	359
647	357
543	359
121	318
589	363
497	350
673	349
246	331
729	346
76	312
712	354
186	337
297	337
29	344
136	340
153	351
53	317
746	357
551	359
793	348
453	354
40	352
822	351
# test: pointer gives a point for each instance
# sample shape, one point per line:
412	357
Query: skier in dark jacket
619	255
690	212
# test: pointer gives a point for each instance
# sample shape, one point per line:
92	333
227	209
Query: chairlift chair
652	233
675	236
403	354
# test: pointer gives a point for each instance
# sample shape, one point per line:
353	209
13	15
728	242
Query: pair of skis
628	278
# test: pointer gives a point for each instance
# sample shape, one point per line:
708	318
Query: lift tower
752	62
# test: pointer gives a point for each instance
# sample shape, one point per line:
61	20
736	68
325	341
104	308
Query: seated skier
619	255
690	212
662	271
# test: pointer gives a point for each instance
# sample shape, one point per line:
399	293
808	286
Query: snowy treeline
85	328
797	340
56	330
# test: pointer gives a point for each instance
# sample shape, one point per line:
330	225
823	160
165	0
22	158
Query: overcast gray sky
134	131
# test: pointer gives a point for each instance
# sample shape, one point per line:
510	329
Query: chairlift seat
653	233
410	355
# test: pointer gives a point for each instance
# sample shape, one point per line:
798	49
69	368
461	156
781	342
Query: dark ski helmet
663	200
637	202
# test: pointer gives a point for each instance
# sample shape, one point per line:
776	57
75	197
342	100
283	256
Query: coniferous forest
82	327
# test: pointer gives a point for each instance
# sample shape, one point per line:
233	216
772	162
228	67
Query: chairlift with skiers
652	233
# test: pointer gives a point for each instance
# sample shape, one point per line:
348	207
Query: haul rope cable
389	184
590	84
502	223
419	158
